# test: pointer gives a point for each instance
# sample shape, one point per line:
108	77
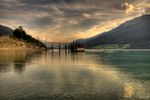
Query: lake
91	75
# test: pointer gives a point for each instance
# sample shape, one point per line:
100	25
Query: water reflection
15	59
128	90
4	68
19	68
78	76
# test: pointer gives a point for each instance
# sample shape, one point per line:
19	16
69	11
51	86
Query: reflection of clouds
80	77
116	64
128	90
83	76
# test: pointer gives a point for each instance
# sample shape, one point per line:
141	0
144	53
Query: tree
22	35
17	34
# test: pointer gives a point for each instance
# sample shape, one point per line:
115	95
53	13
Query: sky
67	20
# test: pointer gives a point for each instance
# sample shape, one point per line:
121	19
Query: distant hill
18	38
5	30
135	32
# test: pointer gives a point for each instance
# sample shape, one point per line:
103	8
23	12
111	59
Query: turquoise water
92	75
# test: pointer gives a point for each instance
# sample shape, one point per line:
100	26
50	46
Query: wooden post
59	48
66	48
52	47
73	47
45	47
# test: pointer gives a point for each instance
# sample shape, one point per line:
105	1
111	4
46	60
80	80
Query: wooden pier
58	47
66	47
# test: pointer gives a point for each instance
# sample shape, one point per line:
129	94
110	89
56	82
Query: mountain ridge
4	30
132	31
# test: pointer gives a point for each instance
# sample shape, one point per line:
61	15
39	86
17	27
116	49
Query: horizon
65	20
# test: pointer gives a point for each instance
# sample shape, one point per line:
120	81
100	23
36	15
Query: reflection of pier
67	47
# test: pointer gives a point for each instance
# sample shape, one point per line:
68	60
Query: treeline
22	35
111	46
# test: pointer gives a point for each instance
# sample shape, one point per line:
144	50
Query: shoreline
20	48
10	43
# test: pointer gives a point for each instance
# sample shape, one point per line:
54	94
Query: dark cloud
40	2
64	15
147	10
42	22
69	9
85	24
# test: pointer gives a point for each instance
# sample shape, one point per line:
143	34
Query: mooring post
66	48
52	47
73	46
59	48
68	45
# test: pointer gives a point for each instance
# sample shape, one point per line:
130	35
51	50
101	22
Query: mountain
5	30
133	32
10	38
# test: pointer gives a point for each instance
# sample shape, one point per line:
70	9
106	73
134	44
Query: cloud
102	27
138	7
69	19
129	8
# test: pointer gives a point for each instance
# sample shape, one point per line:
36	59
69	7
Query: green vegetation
140	45
135	45
22	35
112	46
